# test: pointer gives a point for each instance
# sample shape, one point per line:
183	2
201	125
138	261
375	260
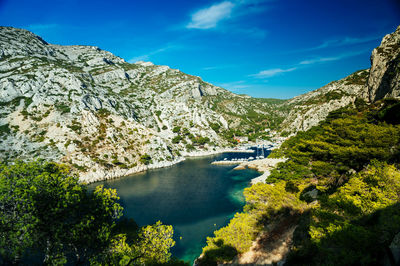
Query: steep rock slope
107	118
309	109
384	80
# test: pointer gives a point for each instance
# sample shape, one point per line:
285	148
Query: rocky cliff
88	108
384	78
309	109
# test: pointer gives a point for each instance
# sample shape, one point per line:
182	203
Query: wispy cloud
272	72
318	60
234	86
345	41
209	17
218	67
277	71
338	42
146	57
135	59
332	58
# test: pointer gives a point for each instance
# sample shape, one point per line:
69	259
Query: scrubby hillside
105	117
382	80
309	109
88	108
336	199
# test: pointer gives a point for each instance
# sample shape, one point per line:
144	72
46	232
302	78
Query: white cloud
219	67
135	59
318	60
333	58
344	42
276	71
209	17
146	57
272	72
234	86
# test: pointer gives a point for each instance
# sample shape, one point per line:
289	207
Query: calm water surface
194	196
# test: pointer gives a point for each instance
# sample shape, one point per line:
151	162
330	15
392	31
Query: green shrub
4	130
176	129
145	159
176	139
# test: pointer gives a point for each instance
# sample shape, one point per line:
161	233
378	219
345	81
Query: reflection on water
194	196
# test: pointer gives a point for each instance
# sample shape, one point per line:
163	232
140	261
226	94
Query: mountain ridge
107	118
88	108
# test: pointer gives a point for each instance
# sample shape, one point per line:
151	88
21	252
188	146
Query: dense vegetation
47	217
340	184
252	115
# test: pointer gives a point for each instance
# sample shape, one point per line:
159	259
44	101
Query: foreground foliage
47	217
341	180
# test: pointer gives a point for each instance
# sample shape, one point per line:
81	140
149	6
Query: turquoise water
194	196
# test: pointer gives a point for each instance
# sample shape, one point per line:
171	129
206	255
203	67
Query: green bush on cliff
236	237
350	162
346	141
145	159
263	201
355	224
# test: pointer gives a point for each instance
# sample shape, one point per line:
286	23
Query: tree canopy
341	182
47	216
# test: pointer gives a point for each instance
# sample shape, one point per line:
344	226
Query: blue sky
263	48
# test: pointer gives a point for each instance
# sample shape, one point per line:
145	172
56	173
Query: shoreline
103	175
264	166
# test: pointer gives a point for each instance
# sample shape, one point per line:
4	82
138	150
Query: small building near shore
241	139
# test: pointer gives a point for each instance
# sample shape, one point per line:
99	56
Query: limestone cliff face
384	78
309	109
89	108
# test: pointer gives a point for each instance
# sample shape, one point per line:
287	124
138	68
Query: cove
195	197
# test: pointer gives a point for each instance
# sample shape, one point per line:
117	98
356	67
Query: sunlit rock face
92	110
384	78
311	108
88	108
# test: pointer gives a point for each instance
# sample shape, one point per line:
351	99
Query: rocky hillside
88	108
382	80
316	206
309	109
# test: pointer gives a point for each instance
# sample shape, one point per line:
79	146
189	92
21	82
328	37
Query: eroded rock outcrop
309	109
384	78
